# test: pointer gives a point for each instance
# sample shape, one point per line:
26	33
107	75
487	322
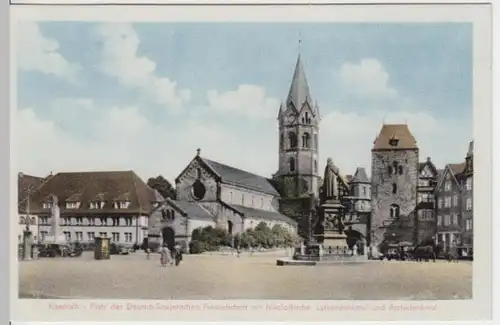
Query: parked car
116	249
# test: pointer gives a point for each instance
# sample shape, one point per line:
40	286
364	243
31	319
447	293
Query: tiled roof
360	176
399	132
348	178
193	210
457	168
264	214
27	184
242	178
91	186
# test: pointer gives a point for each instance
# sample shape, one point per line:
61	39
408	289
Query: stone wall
185	183
382	190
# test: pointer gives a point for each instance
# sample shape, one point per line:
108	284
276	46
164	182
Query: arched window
292	138
394	211
291	162
32	221
394	188
316	141
400	169
282	141
305	140
198	173
308	119
315	166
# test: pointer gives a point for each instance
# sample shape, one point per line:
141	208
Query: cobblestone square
247	277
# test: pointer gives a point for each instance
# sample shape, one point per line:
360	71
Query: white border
478	308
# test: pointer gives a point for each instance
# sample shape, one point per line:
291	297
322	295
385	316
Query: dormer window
96	205
393	141
72	205
121	204
47	205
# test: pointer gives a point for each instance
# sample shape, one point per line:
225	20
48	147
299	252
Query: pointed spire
470	151
299	89
282	109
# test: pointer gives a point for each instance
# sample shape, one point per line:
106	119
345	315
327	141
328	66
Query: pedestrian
177	254
164	256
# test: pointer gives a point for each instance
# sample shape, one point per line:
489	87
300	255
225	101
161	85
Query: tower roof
299	88
360	176
394	136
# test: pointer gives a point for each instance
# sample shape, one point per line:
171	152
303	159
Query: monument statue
330	182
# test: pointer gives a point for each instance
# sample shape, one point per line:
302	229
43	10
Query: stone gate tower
394	185
298	173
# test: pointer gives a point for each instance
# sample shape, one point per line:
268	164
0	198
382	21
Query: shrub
197	247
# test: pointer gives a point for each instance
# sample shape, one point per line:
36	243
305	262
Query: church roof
360	176
263	214
399	132
192	210
299	88
456	168
241	178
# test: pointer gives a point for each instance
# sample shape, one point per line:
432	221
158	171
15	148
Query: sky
145	96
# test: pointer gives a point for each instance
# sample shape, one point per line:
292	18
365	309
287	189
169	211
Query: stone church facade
298	175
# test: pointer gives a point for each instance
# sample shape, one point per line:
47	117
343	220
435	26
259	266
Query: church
210	193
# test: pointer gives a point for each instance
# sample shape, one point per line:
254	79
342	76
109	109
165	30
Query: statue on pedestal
330	182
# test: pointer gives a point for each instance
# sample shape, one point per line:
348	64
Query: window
128	221
440	220
91	221
104	221
447	220
423	182
252	201
47	205
44	220
116	221
468	204
115	236
67	235
316	141
315	166
447	186
400	169
395	167
230	197
91	236
261	203
292	138
307	118
282	139
79	235
455	200
71	205
128	237
96	205
305	140
242	199
291	162
455	219
43	234
468	184
394	211
103	234
121	204
440	203
447	202
468	224
394	188
198	173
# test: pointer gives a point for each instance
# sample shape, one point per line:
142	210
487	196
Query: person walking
164	256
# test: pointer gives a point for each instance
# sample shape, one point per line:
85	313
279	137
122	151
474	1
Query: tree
163	187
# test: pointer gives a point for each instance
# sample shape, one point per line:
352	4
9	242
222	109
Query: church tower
298	120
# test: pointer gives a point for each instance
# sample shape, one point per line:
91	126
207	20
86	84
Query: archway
168	234
354	237
230	227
